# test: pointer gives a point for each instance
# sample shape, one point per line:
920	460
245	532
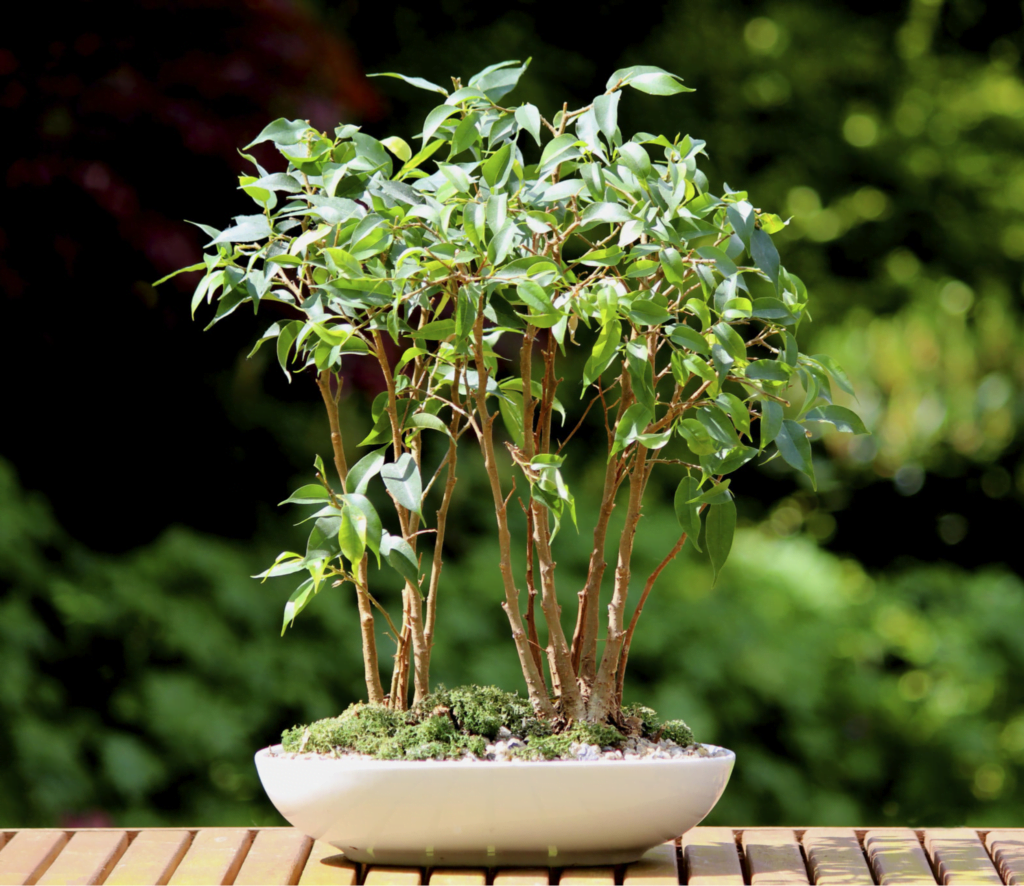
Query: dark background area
142	458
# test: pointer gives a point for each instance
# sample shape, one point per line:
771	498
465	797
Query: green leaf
285	564
297	602
374	531
498	248
500	79
495	170
466	133
607	257
535	296
401	558
771	421
836	371
717	494
605	349
688	514
352	535
435	118
423	420
737	411
697	437
435	329
364	470
771	309
282	132
418	82
399	147
402	478
631	426
652	80
686	337
528	118
741	217
636	159
604	214
672	263
511	407
765	255
606	109
310	494
555	147
767	370
247	229
730	339
795	448
718	534
841	418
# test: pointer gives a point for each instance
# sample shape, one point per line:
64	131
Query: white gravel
635	749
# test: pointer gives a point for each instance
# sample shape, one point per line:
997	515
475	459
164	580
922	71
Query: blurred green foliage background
864	650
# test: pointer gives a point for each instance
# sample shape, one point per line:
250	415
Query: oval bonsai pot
493	814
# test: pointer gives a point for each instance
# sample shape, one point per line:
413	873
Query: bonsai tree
505	264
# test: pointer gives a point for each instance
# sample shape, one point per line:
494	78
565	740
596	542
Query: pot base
493	814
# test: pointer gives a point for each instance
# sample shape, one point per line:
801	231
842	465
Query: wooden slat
774	856
151	859
327	867
896	856
658	867
710	857
522	877
1007	849
959	857
386	875
835	857
277	856
458	877
88	857
215	856
28	854
588	876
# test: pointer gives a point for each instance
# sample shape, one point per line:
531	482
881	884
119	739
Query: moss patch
450	723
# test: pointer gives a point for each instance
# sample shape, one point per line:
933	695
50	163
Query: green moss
677	731
648	717
450	723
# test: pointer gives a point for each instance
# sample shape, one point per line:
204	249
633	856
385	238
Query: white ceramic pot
493	814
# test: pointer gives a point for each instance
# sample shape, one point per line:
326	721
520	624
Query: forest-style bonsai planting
536	286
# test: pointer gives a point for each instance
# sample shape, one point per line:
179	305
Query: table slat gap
327	866
896	856
275	856
215	857
29	854
86	858
151	858
1007	851
835	856
959	857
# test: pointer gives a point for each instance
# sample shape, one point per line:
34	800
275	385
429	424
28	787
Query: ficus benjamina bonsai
505	265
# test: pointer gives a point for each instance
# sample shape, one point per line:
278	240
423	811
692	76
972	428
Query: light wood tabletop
720	856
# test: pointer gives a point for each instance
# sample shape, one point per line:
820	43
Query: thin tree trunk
371	664
602	697
628	639
533	677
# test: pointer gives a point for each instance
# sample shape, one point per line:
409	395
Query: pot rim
273	752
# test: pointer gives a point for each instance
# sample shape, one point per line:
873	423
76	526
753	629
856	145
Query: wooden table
703	856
